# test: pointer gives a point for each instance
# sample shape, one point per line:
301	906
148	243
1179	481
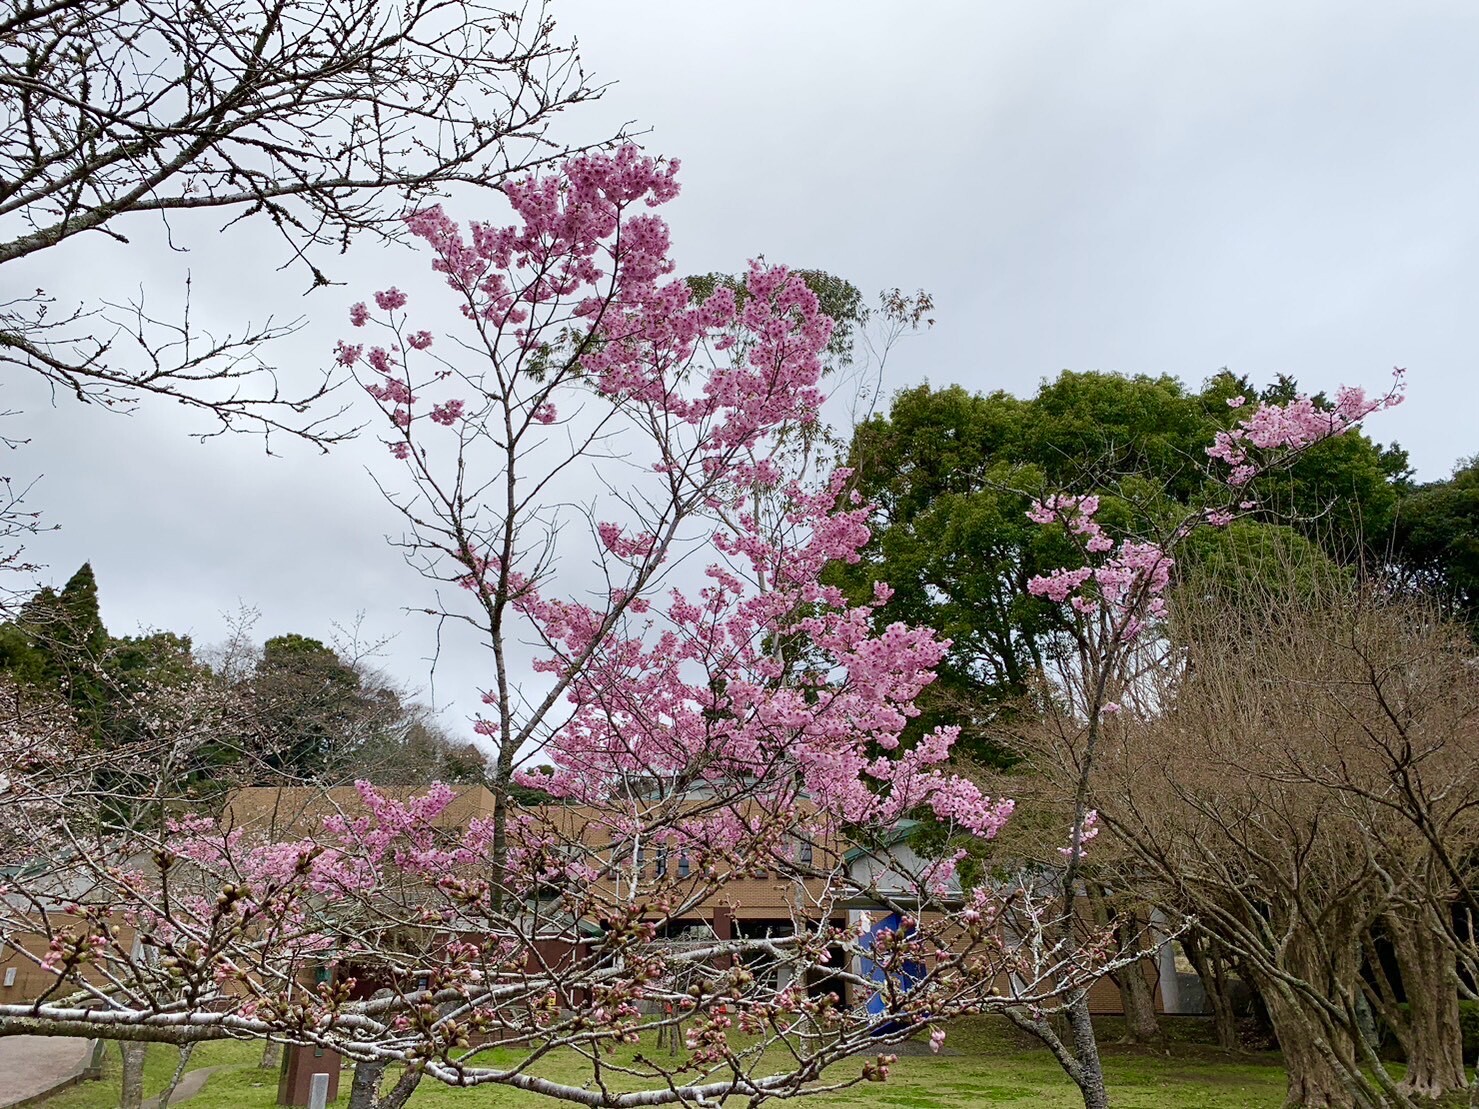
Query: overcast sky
1131	187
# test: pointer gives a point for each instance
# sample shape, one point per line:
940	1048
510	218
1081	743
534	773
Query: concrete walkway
31	1066
189	1086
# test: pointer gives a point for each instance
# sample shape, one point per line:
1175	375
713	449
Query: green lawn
159	1065
984	1063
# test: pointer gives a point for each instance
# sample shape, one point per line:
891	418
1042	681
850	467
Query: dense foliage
293	710
952	475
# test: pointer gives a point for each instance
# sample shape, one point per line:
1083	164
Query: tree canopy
297	710
953	474
1436	540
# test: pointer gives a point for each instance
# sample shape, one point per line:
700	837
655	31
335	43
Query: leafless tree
318	120
1306	786
323	119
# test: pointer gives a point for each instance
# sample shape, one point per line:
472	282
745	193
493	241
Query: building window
683	865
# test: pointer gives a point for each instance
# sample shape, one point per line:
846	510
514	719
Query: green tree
81	630
22	656
310	707
1436	541
953	475
58	642
316	715
145	700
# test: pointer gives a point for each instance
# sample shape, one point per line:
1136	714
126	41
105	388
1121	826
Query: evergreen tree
58	643
953	475
1436	546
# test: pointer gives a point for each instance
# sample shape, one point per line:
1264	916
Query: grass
989	1064
159	1064
984	1063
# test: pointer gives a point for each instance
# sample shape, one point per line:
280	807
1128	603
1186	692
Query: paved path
32	1065
189	1086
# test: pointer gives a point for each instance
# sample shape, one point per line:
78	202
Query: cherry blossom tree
611	484
42	750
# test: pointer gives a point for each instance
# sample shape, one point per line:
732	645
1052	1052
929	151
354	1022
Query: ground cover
159	1065
984	1063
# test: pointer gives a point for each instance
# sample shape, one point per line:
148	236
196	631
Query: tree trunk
1136	994
271	1055
186	1050
132	1092
1090	1078
1314	1080
401	1092
1141	1024
1206	959
1320	1051
366	1086
1435	1042
365	1091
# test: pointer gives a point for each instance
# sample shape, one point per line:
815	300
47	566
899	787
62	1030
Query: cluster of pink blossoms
585	267
1294	426
707	691
1077	513
580	268
1129	586
345	858
1087	831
